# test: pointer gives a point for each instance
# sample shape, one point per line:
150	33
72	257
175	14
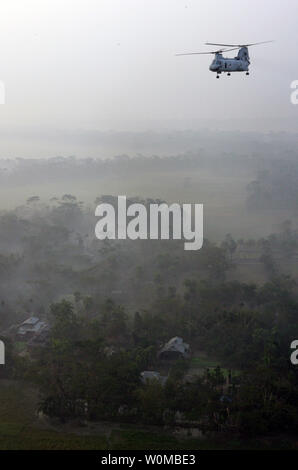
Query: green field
201	361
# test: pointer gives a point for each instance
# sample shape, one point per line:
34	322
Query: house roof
31	321
176	344
31	325
148	375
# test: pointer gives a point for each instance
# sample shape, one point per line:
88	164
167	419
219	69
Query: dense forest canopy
110	306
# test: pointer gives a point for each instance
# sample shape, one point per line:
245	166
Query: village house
174	349
31	328
149	375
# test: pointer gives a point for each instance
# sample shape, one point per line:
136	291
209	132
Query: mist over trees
111	305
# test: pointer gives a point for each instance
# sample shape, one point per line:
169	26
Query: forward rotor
219	51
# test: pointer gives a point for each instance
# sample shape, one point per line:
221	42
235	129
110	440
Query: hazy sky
86	64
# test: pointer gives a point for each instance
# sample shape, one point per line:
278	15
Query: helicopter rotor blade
197	53
237	45
216	44
257	43
210	52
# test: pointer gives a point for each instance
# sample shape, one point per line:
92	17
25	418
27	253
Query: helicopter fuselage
223	64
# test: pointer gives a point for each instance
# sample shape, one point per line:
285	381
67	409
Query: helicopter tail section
243	54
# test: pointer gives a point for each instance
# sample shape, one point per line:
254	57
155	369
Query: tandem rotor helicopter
221	64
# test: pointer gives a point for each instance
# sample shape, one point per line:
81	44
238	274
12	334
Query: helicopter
221	64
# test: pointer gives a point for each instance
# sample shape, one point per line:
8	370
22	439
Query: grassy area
201	361
35	439
138	440
19	427
20	346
